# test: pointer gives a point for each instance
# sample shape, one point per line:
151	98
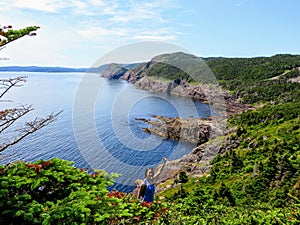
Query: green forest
251	80
260	79
255	181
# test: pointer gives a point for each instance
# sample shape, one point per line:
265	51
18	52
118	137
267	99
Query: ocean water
101	134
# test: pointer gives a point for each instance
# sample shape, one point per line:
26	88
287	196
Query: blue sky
76	33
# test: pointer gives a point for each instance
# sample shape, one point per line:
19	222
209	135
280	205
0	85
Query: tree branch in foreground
7	84
29	128
9	116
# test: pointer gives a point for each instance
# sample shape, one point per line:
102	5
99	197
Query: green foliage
258	68
255	182
55	192
259	79
268	115
169	72
182	177
16	34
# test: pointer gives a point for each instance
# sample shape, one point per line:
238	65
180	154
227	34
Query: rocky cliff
114	71
176	87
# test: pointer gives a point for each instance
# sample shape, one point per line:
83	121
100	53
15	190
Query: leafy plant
56	192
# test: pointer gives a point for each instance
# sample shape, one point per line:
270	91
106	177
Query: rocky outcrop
138	72
194	164
114	71
295	79
233	106
190	130
177	87
181	88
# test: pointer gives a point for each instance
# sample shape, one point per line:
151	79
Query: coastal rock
190	130
223	101
177	87
135	74
194	164
114	71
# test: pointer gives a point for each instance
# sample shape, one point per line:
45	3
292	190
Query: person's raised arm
160	169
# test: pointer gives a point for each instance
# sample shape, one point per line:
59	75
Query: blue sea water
120	145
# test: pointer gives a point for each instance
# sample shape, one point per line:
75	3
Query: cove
120	135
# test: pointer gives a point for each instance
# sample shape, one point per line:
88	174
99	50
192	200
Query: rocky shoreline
203	133
189	130
198	92
206	134
177	87
178	129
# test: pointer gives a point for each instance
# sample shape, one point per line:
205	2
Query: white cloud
138	12
97	2
154	38
40	5
116	10
97	32
77	30
155	35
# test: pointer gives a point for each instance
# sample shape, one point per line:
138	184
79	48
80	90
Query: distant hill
43	69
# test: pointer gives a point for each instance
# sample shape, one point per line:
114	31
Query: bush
56	192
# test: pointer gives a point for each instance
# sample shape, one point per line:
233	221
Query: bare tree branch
7	84
9	116
2	47
29	128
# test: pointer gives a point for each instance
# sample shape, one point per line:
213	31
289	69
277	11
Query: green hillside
259	79
251	80
258	182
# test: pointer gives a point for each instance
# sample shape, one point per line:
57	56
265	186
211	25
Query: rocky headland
189	130
142	78
177	87
113	71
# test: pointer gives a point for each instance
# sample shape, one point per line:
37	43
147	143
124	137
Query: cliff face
114	71
151	76
177	87
155	76
135	74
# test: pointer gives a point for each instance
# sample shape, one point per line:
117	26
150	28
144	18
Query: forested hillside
260	79
251	80
256	182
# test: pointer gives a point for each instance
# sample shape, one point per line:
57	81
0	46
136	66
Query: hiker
147	189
